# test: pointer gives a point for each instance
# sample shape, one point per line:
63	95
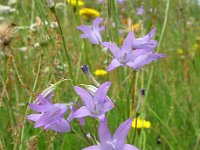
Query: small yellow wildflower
73	3
180	51
135	27
100	72
196	46
141	124
89	12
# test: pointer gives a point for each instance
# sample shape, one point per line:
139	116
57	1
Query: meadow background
35	59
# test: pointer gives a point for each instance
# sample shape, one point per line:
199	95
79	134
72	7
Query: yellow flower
100	72
89	12
196	46
180	51
135	27
73	3
141	124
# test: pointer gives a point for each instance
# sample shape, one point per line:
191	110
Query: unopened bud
142	92
85	68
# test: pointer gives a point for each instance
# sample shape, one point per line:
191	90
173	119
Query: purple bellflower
115	142
92	33
93	105
140	11
73	109
134	53
50	116
145	42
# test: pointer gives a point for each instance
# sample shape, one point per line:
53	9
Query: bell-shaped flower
115	142
145	42
133	53
49	116
93	105
92	33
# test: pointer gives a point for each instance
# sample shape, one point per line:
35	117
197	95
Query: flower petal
34	117
85	96
41	108
127	44
114	64
81	112
112	47
103	131
101	92
121	133
84	29
107	106
60	126
96	22
49	117
96	147
130	147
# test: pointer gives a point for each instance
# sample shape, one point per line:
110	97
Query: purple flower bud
85	68
142	92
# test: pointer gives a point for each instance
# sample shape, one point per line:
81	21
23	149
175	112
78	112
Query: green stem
64	43
158	48
133	94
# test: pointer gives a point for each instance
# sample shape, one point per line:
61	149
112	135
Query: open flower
93	105
73	3
139	123
89	13
115	142
100	72
145	42
134	53
92	33
50	116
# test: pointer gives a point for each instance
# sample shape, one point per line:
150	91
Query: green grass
171	104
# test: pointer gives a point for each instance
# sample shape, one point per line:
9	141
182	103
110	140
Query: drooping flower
49	116
139	123
140	11
134	53
93	105
115	142
73	3
100	72
89	13
92	33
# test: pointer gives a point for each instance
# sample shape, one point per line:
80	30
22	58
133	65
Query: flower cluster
50	116
133	52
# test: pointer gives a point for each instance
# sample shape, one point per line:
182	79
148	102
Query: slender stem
133	94
64	43
158	48
116	21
